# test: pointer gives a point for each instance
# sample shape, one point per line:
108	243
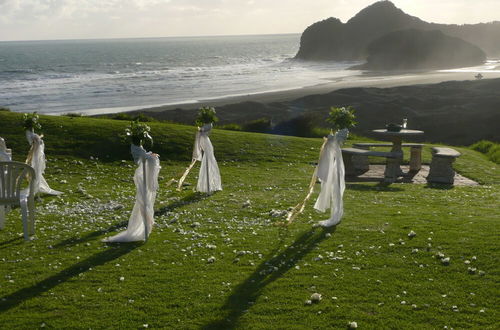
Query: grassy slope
68	278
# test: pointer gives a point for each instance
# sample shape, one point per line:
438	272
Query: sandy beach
363	80
451	107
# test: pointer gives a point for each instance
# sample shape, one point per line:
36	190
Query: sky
89	19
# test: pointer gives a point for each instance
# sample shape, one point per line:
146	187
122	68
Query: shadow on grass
14	241
90	236
191	198
267	272
382	186
113	252
439	186
360	179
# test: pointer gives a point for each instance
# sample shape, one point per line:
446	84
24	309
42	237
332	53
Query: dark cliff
333	40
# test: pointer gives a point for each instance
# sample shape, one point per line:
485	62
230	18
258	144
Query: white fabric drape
36	159
209	177
331	174
4	157
141	221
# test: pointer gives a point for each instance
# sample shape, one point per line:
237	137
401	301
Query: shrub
304	126
31	121
490	149
121	116
206	115
340	118
125	116
138	132
482	146
319	132
262	125
73	114
494	153
4	109
144	118
231	127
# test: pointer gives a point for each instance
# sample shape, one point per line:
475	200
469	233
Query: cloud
55	19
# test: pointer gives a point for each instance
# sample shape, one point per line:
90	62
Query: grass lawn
367	270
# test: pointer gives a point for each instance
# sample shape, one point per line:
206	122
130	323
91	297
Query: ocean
115	75
106	76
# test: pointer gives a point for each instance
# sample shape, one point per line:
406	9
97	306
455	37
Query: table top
403	132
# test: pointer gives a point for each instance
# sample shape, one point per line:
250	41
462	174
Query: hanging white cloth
209	177
331	173
36	159
4	157
141	221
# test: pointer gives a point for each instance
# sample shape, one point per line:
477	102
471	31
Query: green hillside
367	270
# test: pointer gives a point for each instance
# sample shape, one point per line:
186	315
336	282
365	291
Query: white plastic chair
12	177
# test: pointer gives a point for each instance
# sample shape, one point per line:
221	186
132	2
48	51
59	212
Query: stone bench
441	170
351	168
362	162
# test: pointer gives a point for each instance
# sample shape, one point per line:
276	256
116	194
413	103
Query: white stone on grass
439	255
316	297
318	258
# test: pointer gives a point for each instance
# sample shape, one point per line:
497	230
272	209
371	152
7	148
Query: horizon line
164	37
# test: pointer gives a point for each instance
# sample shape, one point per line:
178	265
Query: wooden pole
145	206
208	177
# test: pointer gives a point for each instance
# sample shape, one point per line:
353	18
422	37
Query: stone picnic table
393	166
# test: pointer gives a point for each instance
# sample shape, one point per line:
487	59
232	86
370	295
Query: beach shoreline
360	81
451	107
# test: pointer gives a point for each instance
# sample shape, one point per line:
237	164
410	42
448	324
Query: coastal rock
331	39
417	49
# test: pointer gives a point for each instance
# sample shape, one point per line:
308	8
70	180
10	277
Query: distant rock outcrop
417	49
333	40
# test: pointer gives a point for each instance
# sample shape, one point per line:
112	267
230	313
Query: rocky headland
331	39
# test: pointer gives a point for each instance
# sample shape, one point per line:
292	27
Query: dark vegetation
454	112
129	117
333	40
490	149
